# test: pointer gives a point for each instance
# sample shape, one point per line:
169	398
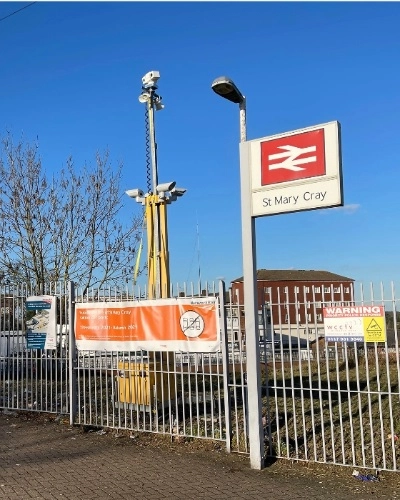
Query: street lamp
226	88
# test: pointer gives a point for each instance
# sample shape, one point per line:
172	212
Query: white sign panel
355	323
297	170
41	329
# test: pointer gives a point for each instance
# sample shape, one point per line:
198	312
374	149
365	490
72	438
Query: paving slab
43	457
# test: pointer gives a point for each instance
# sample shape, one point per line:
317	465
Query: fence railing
337	404
330	402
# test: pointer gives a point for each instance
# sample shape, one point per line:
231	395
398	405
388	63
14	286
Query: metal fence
340	403
179	394
34	380
322	402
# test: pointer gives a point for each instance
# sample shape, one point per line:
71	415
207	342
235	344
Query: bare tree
63	227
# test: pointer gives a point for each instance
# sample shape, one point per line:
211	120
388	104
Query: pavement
42	456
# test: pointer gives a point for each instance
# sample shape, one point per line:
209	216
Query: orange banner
185	324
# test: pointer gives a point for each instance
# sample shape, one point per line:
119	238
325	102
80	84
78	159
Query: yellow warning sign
374	329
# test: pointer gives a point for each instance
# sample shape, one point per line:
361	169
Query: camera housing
134	193
178	191
165	186
151	78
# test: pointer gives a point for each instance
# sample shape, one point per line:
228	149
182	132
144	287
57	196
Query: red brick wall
297	301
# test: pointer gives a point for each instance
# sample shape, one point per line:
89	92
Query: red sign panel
298	156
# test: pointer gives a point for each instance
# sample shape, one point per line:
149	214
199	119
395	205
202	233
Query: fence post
225	366
72	356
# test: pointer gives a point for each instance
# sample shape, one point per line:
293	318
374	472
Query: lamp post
226	88
156	199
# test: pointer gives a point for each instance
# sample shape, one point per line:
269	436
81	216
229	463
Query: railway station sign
294	171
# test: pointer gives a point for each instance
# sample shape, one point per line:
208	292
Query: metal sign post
298	170
254	407
227	89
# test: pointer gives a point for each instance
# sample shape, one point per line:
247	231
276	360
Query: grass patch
344	412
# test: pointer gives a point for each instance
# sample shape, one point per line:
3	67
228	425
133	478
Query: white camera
165	186
151	78
178	191
134	193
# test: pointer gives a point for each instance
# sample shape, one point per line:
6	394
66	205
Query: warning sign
355	323
374	329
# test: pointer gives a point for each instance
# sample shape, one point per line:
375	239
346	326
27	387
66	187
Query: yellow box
144	383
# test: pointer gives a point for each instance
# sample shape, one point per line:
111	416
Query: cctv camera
166	186
151	78
178	191
134	193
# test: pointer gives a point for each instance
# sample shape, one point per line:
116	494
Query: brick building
294	299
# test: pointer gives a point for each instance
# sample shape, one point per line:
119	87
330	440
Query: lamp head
158	104
226	88
144	97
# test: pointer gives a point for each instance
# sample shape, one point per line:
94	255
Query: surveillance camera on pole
165	186
178	191
137	194
134	193
150	79
157	198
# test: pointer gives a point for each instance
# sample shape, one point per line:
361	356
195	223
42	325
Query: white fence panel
333	402
179	394
329	402
33	380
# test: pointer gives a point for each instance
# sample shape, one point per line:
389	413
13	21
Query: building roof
296	275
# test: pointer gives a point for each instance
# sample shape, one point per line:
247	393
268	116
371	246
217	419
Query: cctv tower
156	199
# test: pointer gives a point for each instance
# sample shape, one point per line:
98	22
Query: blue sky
71	75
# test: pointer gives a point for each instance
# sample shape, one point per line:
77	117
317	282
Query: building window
347	289
318	305
327	289
306	289
319	317
336	289
317	289
309	317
